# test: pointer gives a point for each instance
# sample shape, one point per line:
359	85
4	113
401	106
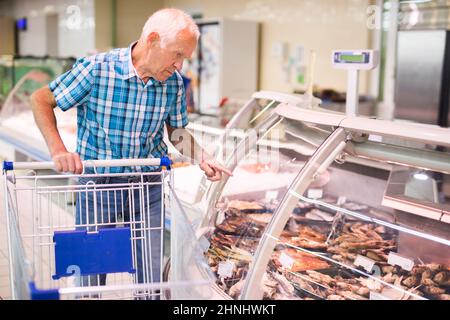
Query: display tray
338	283
316	254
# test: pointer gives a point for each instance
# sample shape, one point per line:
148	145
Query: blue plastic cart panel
36	294
106	251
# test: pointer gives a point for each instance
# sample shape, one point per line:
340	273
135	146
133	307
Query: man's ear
153	39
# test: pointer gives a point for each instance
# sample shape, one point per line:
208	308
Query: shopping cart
97	235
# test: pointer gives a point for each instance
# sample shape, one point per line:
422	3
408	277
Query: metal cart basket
97	235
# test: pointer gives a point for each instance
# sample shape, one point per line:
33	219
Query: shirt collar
128	70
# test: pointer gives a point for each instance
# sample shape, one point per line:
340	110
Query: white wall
131	19
320	25
76	34
103	25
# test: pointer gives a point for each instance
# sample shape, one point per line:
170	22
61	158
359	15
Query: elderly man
123	99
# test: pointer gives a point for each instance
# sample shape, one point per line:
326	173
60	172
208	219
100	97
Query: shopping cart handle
160	162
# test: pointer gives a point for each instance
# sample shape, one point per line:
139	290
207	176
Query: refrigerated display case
13	68
191	183
326	206
19	135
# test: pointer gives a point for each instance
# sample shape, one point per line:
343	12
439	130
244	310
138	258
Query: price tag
377	296
366	263
226	269
397	260
375	138
286	261
341	200
315	193
271	195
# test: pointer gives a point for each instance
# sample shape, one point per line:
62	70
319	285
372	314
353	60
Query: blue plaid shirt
118	116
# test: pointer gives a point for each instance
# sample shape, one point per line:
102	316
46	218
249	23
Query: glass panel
254	112
238	116
16	116
21	76
221	144
18	99
189	272
249	199
411	185
350	238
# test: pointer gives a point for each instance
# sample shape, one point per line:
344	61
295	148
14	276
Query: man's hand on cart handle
68	162
213	170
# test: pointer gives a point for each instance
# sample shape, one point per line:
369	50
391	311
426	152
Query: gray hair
168	23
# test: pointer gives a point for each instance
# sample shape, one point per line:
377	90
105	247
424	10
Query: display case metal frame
324	156
349	141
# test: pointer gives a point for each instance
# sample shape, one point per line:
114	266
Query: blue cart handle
49	165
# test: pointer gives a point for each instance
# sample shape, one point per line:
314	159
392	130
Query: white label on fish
286	261
341	200
271	195
364	262
375	138
397	260
226	269
315	193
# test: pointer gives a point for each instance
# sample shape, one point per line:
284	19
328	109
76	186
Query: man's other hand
68	162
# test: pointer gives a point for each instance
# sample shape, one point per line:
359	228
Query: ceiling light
420	176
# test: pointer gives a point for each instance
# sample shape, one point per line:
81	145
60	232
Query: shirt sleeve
178	114
72	88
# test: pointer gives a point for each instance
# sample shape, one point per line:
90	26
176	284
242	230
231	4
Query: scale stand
353	61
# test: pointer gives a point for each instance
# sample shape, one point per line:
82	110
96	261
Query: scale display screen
352	58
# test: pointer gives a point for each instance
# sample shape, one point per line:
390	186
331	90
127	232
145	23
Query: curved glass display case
325	206
222	142
18	130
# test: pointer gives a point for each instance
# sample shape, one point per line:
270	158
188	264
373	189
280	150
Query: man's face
166	59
